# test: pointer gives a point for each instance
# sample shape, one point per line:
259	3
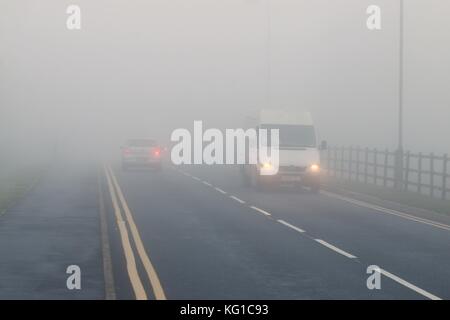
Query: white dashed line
409	285
220	190
291	226
237	199
330	246
261	210
340	251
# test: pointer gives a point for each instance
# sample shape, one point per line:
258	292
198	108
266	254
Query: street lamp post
269	65
399	154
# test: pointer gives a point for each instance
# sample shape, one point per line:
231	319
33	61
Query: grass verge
14	185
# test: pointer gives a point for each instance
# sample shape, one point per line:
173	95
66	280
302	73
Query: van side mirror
323	145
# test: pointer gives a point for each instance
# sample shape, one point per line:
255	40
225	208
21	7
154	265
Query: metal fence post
444	176
335	161
398	170
328	162
406	180
419	174
366	163
350	156
432	174
358	149
375	166
385	167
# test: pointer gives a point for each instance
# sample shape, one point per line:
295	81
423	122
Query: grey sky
146	67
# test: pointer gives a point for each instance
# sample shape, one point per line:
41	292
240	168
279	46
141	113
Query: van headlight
266	165
314	168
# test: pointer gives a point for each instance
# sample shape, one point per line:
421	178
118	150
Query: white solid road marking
237	199
409	285
206	183
291	226
261	210
330	246
196	178
220	190
388	211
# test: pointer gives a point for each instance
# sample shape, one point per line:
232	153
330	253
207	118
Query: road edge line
393	212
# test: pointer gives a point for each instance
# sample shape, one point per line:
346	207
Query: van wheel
254	181
246	180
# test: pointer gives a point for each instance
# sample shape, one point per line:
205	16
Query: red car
141	153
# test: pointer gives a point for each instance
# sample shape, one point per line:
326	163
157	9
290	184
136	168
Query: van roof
277	116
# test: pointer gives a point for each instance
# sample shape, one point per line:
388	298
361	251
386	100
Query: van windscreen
292	136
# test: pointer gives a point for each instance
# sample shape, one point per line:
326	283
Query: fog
144	68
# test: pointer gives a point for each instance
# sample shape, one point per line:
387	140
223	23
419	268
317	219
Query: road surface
209	237
194	232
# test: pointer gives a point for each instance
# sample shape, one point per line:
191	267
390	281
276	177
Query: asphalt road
56	225
209	237
196	232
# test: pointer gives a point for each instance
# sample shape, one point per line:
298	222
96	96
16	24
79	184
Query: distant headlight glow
266	165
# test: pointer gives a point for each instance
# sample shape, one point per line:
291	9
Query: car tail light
126	151
156	152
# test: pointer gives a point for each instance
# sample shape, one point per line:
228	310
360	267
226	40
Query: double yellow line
138	288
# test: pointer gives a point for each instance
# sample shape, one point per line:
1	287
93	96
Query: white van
299	155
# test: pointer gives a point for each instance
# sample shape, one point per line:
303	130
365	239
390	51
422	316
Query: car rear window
141	143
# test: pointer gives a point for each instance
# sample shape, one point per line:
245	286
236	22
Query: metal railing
423	173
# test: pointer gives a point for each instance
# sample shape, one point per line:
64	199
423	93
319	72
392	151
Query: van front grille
292	169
